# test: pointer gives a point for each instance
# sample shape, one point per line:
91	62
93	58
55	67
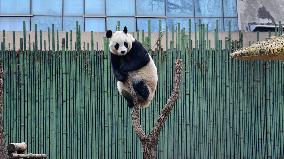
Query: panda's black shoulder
138	51
138	47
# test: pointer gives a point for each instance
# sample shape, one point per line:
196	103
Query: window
180	8
99	15
14	7
230	8
50	7
120	7
150	7
95	7
73	8
208	8
95	24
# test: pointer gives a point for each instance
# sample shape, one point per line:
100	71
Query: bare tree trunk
3	152
150	142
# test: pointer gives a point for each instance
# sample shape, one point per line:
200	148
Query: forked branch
150	142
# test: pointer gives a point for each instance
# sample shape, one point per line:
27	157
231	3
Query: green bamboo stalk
66	41
118	26
24	35
57	40
21	44
143	39
71	43
178	37
167	38
149	42
36	42
53	38
4	41
138	36
48	32
92	41
160	34
40	40
44	44
189	33
14	41
29	42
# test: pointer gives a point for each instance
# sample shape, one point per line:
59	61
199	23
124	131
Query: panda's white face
120	43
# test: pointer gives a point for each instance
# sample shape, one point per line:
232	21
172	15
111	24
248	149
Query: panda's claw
141	89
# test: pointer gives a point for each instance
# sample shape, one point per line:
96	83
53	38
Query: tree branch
3	150
28	156
136	122
171	101
150	142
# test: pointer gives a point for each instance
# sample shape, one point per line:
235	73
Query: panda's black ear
109	34
125	30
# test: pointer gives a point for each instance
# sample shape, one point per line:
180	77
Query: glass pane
208	8
211	23
120	7
124	21
43	22
230	8
50	7
74	7
14	23
14	6
142	24
234	24
180	8
69	23
150	7
96	7
184	22
95	24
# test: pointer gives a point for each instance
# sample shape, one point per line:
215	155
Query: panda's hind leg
141	89
128	98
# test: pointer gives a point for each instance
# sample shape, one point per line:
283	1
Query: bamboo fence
65	103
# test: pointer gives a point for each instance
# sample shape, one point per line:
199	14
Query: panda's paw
128	98
141	89
122	77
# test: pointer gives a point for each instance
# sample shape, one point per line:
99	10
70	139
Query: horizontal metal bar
94	16
16	15
142	16
104	16
139	16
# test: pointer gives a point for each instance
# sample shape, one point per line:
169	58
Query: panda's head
120	42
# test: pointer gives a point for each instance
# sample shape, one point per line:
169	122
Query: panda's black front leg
141	89
120	76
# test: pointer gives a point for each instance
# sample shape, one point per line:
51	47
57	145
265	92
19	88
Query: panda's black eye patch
116	46
126	44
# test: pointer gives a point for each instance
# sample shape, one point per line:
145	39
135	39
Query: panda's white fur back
149	75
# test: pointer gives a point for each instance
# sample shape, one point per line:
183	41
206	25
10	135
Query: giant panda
133	67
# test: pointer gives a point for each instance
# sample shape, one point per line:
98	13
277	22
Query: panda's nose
122	52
